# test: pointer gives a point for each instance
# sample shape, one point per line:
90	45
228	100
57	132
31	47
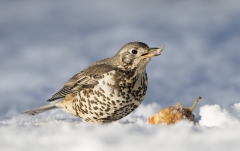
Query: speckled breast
116	95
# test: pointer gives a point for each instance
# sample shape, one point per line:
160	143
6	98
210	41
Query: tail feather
41	109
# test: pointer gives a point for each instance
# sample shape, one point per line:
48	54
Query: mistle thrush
107	90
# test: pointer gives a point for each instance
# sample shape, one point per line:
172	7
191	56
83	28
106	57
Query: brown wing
73	86
88	78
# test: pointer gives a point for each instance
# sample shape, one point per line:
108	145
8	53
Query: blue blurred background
44	43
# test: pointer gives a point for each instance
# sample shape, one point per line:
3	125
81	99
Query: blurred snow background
44	43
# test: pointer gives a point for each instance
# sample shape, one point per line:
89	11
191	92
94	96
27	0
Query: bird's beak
153	52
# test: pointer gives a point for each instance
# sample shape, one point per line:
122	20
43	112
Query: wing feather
87	78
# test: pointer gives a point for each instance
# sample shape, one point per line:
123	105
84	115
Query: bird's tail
41	109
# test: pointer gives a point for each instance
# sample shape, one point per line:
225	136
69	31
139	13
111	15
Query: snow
57	133
44	43
214	115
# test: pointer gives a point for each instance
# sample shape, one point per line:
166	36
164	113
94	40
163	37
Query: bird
107	90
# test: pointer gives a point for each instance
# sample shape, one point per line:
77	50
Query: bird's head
136	55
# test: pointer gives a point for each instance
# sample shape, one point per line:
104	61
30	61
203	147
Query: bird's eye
134	51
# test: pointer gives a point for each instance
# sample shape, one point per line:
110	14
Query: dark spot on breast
84	92
96	98
88	96
98	93
108	109
127	97
113	103
102	90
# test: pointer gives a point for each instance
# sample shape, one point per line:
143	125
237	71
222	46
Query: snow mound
214	115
